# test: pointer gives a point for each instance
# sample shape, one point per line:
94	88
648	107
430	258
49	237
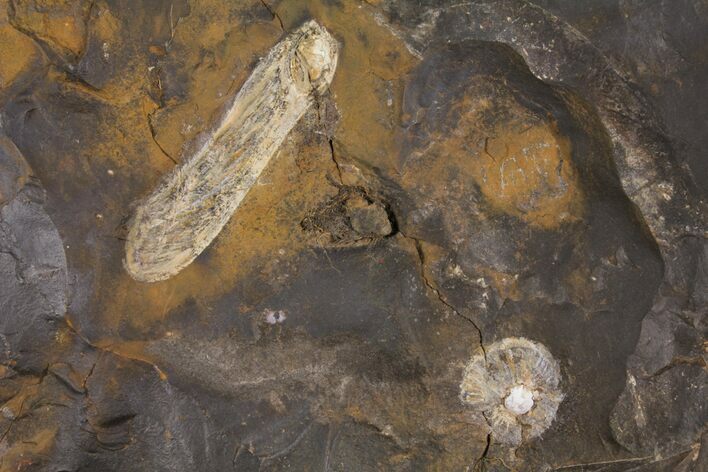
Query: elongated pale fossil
192	205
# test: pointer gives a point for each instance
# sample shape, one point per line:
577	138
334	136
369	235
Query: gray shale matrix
376	302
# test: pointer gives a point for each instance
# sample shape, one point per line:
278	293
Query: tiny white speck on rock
275	317
519	401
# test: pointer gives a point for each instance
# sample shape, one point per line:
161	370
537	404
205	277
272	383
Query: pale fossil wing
191	206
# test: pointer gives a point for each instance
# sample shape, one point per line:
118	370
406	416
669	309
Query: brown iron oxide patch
527	173
31	451
61	23
17	53
520	163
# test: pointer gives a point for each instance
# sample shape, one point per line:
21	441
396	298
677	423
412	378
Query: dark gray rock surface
479	171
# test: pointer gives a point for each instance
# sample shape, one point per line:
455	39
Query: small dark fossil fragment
351	218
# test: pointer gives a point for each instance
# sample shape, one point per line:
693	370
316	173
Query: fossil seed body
191	206
516	387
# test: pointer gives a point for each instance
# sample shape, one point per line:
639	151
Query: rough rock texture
478	171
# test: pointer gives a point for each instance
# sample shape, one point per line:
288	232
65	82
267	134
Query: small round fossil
516	387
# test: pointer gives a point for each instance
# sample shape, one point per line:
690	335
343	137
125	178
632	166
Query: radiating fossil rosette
516	387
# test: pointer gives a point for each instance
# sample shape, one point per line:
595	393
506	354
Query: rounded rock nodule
516	387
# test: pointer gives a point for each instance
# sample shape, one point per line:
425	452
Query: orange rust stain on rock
519	162
528	173
29	452
368	85
17	54
505	284
61	22
130	351
18	405
219	55
580	286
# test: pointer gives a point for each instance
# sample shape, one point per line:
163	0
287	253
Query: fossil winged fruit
174	224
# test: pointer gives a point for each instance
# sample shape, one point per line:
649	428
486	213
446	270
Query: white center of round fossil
519	401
